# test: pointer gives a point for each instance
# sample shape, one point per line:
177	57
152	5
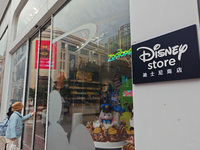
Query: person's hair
9	113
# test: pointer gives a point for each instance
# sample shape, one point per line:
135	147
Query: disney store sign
172	56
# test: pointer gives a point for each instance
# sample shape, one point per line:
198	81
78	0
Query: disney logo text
149	54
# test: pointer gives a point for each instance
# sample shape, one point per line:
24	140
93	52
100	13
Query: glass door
37	85
30	95
42	87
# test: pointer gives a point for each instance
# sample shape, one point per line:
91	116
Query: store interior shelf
84	88
84	92
83	81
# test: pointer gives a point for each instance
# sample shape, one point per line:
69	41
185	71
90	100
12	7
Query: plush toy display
110	129
106	115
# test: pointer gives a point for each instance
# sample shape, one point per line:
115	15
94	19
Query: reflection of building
120	41
67	57
67	49
18	74
124	37
113	44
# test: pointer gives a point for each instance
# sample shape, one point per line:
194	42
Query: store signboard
45	55
172	56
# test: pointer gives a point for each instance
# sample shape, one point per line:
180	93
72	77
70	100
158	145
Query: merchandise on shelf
84	92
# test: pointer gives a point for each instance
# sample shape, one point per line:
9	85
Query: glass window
18	71
84	52
94	55
62	45
63	56
103	57
3	42
60	55
95	93
63	65
72	48
28	13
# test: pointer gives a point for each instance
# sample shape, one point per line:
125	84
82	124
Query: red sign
44	55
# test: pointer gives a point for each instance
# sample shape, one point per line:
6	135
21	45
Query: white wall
167	114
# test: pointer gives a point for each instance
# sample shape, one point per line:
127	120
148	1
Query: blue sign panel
172	56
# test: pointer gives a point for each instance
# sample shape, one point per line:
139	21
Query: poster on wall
172	56
45	54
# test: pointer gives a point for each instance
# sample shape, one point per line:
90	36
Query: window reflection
17	89
18	71
90	85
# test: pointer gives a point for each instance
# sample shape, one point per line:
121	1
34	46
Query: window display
96	83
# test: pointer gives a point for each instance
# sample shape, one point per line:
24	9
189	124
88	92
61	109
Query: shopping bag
12	146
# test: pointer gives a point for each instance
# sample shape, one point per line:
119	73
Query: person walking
15	123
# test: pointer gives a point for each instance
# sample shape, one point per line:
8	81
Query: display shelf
83	81
75	87
85	100
84	88
82	98
84	92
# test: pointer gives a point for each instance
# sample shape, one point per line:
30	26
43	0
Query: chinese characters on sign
162	72
172	56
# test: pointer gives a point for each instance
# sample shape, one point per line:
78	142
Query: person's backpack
3	126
